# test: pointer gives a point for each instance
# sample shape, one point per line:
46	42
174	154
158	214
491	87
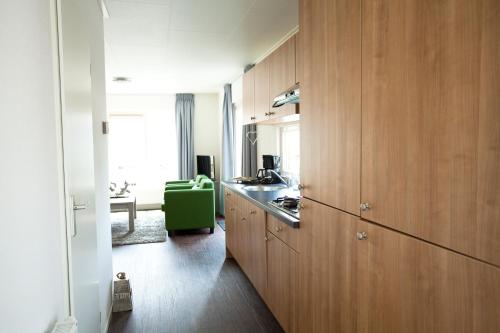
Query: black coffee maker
272	168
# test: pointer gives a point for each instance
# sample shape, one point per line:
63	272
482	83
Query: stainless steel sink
265	187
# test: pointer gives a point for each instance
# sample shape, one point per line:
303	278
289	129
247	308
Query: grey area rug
149	228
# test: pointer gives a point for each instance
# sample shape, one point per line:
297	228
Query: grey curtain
228	139
184	119
249	151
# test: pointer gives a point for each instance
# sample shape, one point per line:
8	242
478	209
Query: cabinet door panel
249	97
262	104
230	216
282	282
431	121
327	275
331	102
407	285
257	248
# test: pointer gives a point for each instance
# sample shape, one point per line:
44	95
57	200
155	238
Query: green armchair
185	183
190	208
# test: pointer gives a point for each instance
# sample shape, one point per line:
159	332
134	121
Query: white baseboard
108	320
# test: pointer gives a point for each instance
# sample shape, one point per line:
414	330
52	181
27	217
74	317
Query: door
330	102
281	295
262	104
257	248
78	163
249	97
230	215
407	285
327	269
431	121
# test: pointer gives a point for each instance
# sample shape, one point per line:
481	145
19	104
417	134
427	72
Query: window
290	151
143	150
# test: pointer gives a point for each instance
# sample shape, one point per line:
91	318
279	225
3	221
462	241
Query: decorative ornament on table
122	192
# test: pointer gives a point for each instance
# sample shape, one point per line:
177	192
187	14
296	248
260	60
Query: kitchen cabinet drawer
283	231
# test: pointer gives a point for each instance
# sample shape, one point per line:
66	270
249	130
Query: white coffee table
128	204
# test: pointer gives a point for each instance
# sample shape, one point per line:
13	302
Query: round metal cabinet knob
365	206
362	235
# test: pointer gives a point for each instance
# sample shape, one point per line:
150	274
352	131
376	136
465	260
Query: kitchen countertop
261	199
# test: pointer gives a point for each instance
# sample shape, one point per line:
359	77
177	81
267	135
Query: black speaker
205	165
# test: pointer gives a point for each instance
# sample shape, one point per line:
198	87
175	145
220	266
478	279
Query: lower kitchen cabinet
230	221
356	276
257	248
407	285
282	282
245	238
327	269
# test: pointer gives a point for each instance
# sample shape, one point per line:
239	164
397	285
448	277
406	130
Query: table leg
131	215
135	208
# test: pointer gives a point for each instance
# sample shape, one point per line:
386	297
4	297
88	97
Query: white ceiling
171	46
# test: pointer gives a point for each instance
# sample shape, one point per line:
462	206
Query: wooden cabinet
262	105
245	238
249	97
243	235
355	276
230	221
327	269
282	282
431	121
330	108
407	285
298	57
283	231
282	76
257	248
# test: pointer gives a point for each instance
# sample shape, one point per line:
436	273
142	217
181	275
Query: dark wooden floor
186	285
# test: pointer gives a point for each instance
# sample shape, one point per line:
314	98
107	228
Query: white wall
32	276
207	129
99	114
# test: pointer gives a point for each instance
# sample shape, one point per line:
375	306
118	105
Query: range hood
290	96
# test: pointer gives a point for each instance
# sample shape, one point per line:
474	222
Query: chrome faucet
277	175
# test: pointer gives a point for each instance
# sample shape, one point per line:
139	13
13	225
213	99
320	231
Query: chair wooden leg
211	230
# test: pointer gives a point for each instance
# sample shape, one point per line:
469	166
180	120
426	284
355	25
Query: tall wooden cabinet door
282	282
408	285
249	97
330	97
257	248
431	121
298	57
327	269
262	105
282	76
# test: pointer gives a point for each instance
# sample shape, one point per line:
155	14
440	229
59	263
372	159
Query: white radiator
69	325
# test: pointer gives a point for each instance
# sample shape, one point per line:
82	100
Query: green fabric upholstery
190	208
186	183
